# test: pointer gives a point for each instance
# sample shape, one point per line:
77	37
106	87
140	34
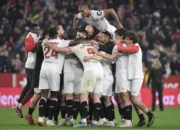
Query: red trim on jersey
30	44
130	49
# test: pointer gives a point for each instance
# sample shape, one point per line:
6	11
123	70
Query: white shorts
122	85
108	86
72	82
92	81
136	85
49	80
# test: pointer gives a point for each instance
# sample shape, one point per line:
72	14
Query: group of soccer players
77	74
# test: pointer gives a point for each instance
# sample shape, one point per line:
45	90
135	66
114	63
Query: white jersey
52	60
121	64
98	20
31	57
70	64
135	70
82	50
107	68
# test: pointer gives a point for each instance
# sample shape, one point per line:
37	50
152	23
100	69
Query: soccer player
73	73
92	81
50	76
96	18
30	43
134	72
121	61
35	79
35	82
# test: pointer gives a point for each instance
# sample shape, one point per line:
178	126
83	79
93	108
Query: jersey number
47	55
90	52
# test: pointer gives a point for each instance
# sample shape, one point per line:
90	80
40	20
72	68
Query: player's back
70	64
82	50
52	60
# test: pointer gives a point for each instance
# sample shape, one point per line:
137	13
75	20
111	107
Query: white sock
84	120
20	105
16	104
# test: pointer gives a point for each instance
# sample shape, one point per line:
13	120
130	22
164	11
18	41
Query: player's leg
34	102
90	110
126	107
18	105
135	90
109	106
44	87
77	91
54	82
69	79
120	87
142	120
63	110
76	106
88	82
98	90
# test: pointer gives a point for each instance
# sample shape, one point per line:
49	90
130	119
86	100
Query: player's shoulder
96	12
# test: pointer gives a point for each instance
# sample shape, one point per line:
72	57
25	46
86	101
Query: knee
96	98
69	96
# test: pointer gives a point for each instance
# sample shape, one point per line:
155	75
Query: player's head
104	36
84	9
53	32
81	34
90	30
131	37
34	28
71	34
60	31
119	35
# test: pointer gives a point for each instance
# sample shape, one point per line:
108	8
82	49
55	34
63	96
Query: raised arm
114	15
75	21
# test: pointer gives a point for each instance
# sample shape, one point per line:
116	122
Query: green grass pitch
168	119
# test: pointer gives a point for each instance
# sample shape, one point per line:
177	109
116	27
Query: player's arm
30	45
131	49
75	21
114	15
99	58
106	56
56	48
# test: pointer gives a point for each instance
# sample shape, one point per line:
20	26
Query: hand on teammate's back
45	41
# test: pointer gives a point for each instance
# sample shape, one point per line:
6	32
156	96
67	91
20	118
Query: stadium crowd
157	23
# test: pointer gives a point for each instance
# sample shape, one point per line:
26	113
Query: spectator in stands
155	24
175	65
17	64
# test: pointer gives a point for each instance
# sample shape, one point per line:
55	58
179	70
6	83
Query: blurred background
157	23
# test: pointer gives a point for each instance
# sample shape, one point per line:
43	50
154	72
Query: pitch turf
168	119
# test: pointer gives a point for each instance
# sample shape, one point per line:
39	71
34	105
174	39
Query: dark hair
53	32
132	36
33	25
121	31
83	5
71	33
81	30
106	33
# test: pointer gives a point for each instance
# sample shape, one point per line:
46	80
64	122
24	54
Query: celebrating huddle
81	72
